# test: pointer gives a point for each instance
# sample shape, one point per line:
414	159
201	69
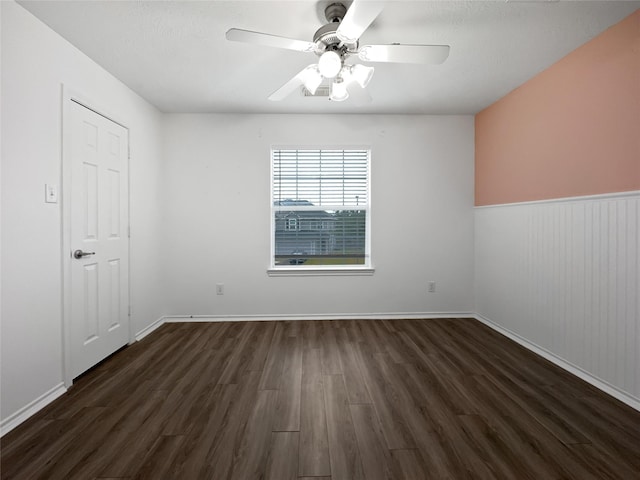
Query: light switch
51	193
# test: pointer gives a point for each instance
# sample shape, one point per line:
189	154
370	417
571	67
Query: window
291	224
320	209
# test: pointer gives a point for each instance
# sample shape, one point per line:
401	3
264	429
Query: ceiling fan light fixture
329	64
338	90
362	74
312	79
336	41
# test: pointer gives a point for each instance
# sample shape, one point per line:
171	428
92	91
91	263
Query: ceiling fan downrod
335	12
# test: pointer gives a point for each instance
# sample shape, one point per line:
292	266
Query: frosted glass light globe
338	91
362	74
329	64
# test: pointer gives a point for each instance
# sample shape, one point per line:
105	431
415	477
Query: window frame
320	270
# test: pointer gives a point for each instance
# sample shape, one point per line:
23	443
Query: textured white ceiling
175	55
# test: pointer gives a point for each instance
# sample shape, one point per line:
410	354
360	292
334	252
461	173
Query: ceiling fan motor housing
326	38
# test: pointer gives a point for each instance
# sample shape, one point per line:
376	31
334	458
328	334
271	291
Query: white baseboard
149	328
304	317
12	421
624	397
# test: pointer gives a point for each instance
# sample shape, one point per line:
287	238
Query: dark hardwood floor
400	399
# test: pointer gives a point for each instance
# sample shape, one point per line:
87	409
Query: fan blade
396	53
357	19
290	87
247	36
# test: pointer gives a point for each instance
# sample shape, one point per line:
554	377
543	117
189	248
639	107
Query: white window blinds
321	177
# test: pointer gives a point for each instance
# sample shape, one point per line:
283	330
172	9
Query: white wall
564	278
35	63
218	207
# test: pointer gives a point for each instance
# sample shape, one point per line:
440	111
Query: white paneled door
99	254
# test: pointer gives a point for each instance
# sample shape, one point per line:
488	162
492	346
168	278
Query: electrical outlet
219	288
432	287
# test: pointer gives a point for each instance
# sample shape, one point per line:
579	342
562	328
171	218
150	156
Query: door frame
69	95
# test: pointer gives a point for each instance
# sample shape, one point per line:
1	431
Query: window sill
319	271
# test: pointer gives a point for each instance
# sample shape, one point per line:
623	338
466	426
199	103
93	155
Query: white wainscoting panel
564	275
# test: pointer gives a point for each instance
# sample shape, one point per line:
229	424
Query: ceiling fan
335	43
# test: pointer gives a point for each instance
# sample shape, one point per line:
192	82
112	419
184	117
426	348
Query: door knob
80	254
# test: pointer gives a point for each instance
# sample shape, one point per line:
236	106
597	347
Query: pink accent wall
572	130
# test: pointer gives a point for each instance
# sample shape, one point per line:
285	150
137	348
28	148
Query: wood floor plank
283	456
415	344
385	400
140	433
504	461
612	413
356	387
409	465
173	371
588	418
436	427
292	328
606	465
324	400
354	331
544	455
512	356
444	447
204	438
331	364
261	342
192	393
376	458
512	423
438	376
343	446
314	447
84	456
31	460
453	351
251	455
240	357
272	371
287	416
434	452
223	455
26	439
218	336
422	389
161	461
310	332
388	335
546	414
